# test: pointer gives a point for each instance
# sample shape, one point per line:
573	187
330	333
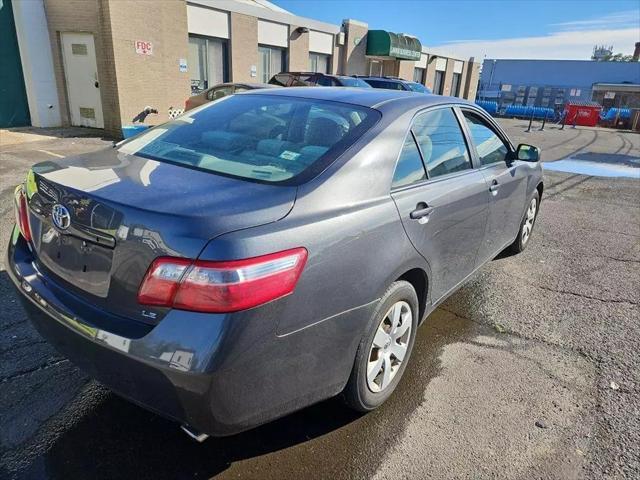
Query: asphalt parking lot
531	370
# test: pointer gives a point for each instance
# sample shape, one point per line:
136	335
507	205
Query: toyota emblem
60	216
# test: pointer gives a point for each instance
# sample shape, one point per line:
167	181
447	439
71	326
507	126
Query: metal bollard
544	120
530	122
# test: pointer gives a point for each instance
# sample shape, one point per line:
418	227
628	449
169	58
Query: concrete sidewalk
18	136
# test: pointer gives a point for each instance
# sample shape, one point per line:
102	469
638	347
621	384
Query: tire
362	393
524	236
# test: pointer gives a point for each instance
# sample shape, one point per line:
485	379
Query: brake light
22	215
229	286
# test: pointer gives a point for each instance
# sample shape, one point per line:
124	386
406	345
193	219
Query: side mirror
528	153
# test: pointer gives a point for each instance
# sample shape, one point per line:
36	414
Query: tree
618	57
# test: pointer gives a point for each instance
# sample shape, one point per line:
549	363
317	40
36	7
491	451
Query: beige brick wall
405	69
336	58
153	80
128	81
243	48
354	61
298	50
473	75
85	16
448	76
430	74
463	79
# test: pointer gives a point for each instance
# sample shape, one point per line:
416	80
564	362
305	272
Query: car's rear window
258	137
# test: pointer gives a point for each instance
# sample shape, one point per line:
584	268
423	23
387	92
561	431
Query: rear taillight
230	286
22	214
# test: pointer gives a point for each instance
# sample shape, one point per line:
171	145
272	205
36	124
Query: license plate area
85	265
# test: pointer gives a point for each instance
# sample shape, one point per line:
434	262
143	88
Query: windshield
353	82
258	137
416	87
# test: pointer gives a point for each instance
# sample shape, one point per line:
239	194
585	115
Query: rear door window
409	168
258	137
385	84
220	92
327	82
441	142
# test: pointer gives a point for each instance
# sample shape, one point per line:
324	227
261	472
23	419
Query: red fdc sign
144	48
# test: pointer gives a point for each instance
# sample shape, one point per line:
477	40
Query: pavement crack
591	357
575	294
29	371
582	295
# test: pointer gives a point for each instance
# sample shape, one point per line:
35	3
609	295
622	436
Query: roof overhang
381	43
616	87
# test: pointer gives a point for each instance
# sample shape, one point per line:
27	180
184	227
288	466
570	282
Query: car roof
366	97
385	79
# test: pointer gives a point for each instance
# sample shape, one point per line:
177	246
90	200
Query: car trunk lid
124	211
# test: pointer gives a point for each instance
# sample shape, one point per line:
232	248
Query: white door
81	74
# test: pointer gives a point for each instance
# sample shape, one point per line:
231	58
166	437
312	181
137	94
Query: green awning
381	43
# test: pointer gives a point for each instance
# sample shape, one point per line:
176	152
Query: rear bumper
219	374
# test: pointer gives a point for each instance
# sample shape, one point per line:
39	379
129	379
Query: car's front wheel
526	225
384	350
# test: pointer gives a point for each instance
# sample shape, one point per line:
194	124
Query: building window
207	62
418	75
271	60
455	84
319	62
438	84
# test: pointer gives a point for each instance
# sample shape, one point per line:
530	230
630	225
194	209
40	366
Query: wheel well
540	188
418	280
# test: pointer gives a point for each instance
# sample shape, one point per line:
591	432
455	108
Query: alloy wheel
527	227
389	346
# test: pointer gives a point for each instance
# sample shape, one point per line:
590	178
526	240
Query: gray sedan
269	250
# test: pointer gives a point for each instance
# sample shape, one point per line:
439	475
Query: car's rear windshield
266	138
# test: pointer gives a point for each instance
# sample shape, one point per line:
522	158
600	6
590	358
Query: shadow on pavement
117	439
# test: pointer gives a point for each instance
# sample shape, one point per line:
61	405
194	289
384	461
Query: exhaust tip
197	436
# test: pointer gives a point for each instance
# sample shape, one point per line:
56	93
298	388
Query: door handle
494	187
421	212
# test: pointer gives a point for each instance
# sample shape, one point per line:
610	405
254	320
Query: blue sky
496	28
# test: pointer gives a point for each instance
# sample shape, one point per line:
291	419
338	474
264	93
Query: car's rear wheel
526	225
385	349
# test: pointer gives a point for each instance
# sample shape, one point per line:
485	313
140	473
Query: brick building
97	63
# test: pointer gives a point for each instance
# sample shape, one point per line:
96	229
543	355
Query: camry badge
60	216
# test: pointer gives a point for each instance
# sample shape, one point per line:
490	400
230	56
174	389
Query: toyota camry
268	250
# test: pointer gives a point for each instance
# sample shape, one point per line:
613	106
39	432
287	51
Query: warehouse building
550	83
97	63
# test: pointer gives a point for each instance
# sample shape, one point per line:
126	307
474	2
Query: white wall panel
271	33
204	21
320	42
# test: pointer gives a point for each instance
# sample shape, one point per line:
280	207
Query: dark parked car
270	250
311	79
220	91
394	83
